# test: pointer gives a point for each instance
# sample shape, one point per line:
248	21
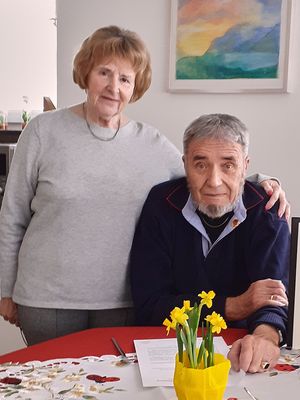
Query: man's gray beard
214	211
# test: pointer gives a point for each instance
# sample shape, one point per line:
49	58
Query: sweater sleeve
15	212
269	248
258	178
172	158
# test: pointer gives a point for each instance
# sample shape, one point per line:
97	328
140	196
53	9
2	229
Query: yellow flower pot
201	384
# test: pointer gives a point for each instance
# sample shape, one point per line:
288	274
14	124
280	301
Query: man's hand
266	292
274	190
252	351
9	311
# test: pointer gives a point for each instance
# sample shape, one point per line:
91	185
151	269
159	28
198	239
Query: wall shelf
7	136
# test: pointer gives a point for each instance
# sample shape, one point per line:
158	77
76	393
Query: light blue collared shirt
189	213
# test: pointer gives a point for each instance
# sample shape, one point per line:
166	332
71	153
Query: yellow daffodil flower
169	324
178	315
217	322
185	321
187	305
206	298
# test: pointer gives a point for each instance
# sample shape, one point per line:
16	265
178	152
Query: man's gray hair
217	126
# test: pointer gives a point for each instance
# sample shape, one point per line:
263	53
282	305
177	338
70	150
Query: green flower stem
204	358
210	345
179	342
183	338
213	352
200	354
189	344
199	314
197	362
193	341
193	325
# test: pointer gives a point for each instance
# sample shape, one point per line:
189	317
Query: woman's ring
272	297
265	364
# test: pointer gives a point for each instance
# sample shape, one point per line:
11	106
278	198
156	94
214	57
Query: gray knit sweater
70	208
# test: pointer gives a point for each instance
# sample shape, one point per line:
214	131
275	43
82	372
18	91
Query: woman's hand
9	310
265	292
275	191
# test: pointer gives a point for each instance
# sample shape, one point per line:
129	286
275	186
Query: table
97	342
68	377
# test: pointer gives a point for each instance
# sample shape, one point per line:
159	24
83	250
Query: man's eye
229	166
200	166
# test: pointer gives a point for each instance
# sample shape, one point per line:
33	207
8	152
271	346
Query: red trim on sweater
258	194
171	194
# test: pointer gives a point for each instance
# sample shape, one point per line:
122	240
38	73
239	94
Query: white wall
27	53
271	118
27	68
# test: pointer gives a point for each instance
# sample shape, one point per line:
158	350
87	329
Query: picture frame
293	329
214	49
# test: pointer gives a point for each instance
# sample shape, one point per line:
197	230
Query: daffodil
178	315
217	322
169	324
206	298
187	305
185	321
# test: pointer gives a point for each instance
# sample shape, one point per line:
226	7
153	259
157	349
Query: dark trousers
40	324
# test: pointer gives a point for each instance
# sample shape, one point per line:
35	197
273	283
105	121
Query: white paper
156	359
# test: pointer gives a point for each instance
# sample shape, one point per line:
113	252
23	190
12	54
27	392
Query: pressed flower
217	322
206	298
77	391
102	379
72	377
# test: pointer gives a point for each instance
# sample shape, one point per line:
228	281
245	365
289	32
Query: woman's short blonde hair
112	41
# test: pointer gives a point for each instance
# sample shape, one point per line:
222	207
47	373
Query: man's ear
247	161
184	164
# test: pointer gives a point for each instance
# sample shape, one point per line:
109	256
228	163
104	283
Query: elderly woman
76	186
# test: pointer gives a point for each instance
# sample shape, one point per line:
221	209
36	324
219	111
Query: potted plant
25	113
200	374
25	118
2	120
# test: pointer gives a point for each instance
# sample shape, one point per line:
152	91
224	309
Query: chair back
293	330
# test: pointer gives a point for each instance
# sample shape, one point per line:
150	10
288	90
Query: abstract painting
229	45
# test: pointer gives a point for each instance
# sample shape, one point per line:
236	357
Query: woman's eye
102	72
125	80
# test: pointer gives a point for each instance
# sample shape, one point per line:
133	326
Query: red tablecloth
97	342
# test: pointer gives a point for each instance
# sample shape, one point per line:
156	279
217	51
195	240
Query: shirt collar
189	213
239	212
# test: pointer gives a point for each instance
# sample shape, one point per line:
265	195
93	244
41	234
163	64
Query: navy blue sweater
167	264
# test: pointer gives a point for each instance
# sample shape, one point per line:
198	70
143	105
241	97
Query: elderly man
211	231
